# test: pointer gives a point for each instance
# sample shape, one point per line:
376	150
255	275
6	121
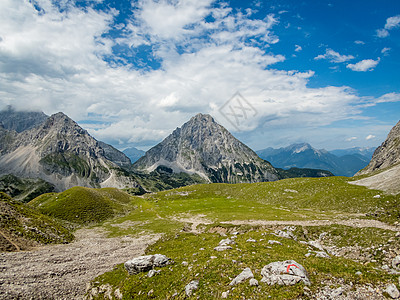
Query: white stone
192	286
286	272
246	274
392	291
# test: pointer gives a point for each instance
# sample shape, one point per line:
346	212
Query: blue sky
130	72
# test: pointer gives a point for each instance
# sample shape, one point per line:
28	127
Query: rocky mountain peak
386	155
204	147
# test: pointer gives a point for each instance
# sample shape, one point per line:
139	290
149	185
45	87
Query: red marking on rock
288	267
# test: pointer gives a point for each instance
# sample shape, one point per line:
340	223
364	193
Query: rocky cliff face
20	120
386	155
62	153
203	147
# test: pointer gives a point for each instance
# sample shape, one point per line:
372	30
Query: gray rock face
246	274
115	155
146	263
392	291
286	272
60	152
191	286
20	120
386	155
202	146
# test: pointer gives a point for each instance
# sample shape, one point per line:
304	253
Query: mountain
20	120
386	155
133	154
383	171
303	155
202	146
115	155
362	152
60	152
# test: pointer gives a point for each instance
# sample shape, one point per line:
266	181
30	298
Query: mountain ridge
202	146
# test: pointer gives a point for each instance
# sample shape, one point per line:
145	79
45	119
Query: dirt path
62	271
358	223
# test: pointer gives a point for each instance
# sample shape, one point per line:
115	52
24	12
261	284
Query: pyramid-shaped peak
202	117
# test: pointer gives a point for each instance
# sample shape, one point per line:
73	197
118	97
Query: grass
285	200
215	274
83	205
21	221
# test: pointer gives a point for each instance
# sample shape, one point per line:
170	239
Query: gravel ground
62	271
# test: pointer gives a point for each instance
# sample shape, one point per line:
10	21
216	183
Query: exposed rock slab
286	272
146	263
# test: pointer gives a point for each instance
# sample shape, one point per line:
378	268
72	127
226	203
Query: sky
272	72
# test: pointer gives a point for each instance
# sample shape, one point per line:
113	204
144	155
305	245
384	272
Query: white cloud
382	33
54	61
386	50
350	139
358	42
370	137
364	65
391	23
298	48
334	56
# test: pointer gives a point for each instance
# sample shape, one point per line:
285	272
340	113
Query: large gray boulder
146	263
246	274
286	272
392	291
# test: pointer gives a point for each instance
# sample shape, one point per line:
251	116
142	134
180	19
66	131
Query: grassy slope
24	226
291	199
83	205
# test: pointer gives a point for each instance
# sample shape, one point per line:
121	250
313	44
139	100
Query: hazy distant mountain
20	120
305	156
362	152
59	151
133	154
202	146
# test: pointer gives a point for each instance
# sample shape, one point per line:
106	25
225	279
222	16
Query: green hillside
23	227
83	205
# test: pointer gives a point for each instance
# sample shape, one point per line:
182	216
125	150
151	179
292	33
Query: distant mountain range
134	154
345	162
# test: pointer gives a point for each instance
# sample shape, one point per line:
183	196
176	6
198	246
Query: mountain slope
386	155
383	171
203	147
59	151
305	156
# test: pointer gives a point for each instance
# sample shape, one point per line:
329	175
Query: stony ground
62	271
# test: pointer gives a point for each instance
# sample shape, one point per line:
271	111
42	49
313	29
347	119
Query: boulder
286	272
191	286
392	291
396	262
146	263
271	242
246	274
253	282
225	242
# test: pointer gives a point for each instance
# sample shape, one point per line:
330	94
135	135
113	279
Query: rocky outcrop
286	272
62	153
246	274
146	263
386	155
202	146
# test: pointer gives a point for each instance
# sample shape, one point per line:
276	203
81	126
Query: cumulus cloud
334	56
350	139
364	65
358	42
391	23
64	60
370	137
298	48
386	50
